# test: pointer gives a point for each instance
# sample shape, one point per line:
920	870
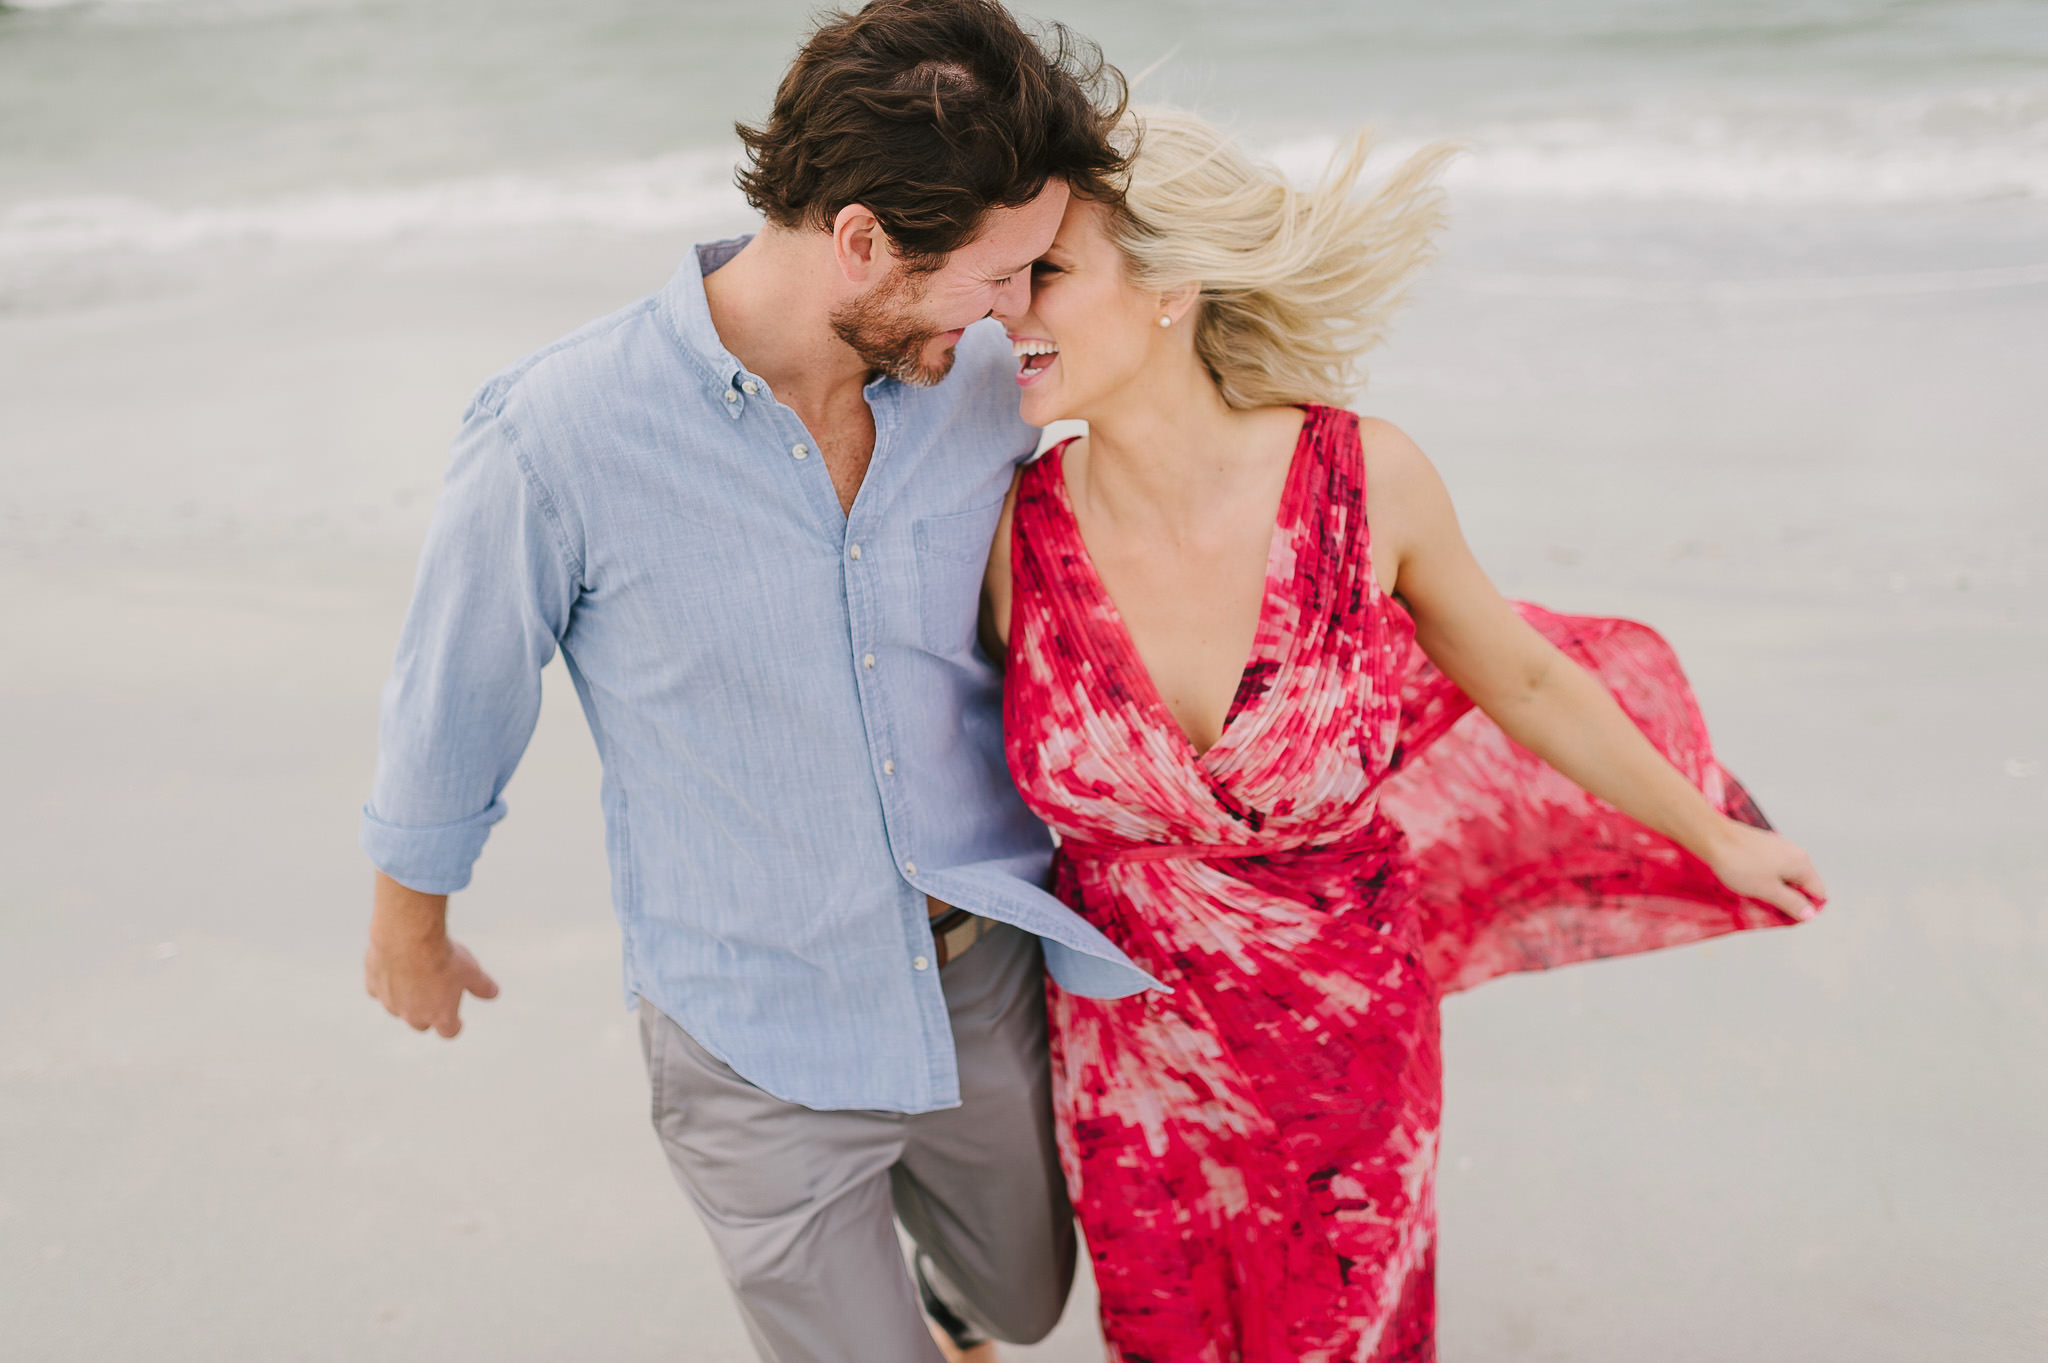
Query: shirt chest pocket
952	555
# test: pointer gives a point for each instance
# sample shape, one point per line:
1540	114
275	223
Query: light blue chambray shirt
800	736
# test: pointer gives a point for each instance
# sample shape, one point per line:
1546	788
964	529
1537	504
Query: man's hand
412	968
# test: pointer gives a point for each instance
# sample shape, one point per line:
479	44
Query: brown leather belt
954	931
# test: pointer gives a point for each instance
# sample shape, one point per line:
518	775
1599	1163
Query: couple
1308	770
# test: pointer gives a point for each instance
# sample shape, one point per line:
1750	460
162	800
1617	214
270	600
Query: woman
1245	642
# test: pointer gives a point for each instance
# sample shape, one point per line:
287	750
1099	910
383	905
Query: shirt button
731	396
868	661
921	963
889	767
750	388
800	451
910	868
854	553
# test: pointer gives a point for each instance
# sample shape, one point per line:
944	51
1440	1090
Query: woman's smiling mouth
1035	355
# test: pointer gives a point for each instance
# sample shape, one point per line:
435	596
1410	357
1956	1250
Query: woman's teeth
1034	356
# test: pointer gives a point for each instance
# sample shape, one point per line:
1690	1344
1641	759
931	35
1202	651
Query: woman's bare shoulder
1406	502
1389	451
1397	472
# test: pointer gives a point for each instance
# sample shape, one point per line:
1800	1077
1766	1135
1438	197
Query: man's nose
1013	297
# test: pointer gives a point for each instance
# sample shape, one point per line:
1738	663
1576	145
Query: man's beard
888	339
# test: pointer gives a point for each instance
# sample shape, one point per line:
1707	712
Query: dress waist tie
1376	836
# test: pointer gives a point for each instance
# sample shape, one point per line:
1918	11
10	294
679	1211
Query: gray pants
801	1204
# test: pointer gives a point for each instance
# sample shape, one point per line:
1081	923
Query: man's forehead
1011	238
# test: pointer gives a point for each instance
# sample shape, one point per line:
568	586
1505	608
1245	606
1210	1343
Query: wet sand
1820	1144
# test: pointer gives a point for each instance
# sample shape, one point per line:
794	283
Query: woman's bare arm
1541	698
995	584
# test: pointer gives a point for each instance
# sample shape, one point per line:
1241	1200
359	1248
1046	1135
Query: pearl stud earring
1166	321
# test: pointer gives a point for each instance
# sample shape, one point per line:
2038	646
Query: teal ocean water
162	125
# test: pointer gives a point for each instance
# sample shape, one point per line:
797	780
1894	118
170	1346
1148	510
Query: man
752	513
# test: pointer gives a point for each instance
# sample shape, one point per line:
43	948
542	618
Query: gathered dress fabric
1252	1150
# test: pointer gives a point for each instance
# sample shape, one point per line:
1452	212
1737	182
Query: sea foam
1855	154
1954	148
656	195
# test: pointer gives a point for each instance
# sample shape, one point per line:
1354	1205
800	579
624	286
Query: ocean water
1705	172
161	126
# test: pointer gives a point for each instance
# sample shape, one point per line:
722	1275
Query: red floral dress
1253	1154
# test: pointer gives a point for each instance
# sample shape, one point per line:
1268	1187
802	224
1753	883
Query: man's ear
859	245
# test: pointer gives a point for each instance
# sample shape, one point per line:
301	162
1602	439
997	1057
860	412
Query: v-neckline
1119	631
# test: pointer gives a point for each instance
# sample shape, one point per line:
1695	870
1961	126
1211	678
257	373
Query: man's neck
772	305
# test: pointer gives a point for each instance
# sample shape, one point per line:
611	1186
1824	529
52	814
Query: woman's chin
1039	408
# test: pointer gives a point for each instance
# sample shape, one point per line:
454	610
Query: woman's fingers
1789	901
1799	889
1808	879
1767	866
1804	881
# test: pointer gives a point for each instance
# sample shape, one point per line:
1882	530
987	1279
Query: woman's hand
1763	865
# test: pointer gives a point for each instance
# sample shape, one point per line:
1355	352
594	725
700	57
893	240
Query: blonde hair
1296	284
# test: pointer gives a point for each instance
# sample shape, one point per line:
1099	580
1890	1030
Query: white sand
1812	1145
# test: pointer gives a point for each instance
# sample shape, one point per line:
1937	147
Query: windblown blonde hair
1296	284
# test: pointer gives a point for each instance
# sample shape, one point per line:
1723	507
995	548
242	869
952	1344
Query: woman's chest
1191	617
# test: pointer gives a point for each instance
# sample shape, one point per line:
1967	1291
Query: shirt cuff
435	859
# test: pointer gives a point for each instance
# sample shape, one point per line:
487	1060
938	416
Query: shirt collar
682	302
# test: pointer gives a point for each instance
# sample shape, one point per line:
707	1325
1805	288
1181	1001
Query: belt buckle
956	930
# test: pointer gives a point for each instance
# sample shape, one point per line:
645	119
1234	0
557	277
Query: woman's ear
1176	304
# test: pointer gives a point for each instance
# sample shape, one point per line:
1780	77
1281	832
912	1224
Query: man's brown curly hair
929	113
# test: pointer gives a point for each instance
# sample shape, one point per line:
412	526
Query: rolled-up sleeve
498	580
